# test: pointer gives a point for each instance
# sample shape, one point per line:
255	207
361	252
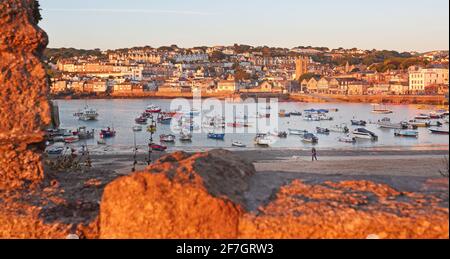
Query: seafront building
221	69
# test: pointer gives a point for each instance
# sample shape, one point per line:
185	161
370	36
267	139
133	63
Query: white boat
263	140
297	132
167	138
381	110
87	114
439	131
340	128
185	137
422	117
137	128
347	139
387	124
364	134
71	139
238	144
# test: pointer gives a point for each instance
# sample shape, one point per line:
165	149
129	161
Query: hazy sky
420	25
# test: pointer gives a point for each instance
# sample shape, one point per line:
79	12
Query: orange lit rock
181	196
24	108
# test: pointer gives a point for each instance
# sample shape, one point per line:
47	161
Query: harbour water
121	113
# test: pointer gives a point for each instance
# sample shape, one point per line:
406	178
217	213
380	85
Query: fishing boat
83	133
381	110
435	115
296	114
156	147
153	109
238	144
340	128
387	124
217	136
87	114
137	128
185	137
364	134
359	123
141	120
167	138
263	140
310	138
347	139
323	131
297	132
439	131
107	133
406	133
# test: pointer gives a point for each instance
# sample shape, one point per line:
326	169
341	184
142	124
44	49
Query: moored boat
153	109
238	144
407	133
359	123
381	110
324	131
296	114
141	120
297	132
83	133
340	128
310	138
217	136
263	140
185	137
71	139
387	124
137	128
87	114
167	138
347	139
439	131
107	133
364	134
156	147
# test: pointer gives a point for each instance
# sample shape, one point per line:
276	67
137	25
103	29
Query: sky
402	25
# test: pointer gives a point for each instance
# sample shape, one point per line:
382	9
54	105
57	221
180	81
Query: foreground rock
181	196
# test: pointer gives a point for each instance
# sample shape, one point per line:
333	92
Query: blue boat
218	136
165	121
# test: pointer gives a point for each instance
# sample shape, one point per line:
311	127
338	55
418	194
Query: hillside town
221	71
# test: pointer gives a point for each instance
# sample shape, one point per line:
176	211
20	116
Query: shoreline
432	100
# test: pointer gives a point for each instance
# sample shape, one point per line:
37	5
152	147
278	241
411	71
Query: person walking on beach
314	154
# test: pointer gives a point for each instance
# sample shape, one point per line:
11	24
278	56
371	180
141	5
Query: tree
36	11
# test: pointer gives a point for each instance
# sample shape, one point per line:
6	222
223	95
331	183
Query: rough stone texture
181	196
351	209
24	108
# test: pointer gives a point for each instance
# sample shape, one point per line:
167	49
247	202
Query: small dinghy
238	144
